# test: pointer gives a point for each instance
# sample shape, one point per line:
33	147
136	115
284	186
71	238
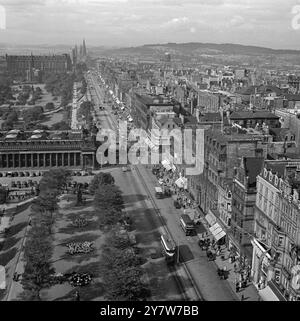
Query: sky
269	23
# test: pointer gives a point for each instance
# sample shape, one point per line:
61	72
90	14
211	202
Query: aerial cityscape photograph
150	151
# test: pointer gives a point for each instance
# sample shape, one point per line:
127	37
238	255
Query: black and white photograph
149	154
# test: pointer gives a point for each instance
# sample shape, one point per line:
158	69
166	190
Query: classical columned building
22	154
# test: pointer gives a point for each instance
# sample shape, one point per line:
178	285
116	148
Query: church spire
83	48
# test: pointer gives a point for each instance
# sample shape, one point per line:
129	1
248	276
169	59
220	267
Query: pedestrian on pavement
235	267
237	288
242	297
240	284
77	296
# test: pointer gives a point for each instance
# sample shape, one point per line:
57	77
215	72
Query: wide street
142	183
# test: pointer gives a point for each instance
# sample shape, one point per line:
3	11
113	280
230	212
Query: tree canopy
3	194
55	180
108	197
99	180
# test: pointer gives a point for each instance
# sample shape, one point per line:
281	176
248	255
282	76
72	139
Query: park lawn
65	232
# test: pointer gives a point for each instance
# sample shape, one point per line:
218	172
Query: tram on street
169	248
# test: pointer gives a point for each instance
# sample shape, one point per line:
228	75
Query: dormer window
265	173
270	176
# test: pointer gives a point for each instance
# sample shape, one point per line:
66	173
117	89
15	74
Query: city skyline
132	23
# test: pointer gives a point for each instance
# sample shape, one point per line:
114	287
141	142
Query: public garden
77	247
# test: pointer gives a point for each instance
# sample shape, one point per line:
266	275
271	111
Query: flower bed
80	222
79	248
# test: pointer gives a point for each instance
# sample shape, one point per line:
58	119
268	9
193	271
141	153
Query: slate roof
259	114
253	166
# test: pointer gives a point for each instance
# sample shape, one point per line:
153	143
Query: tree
37	271
109	216
55	180
83	87
3	195
79	197
85	109
62	125
60	85
49	106
125	285
10	119
44	206
99	180
46	202
33	114
116	258
5	91
108	197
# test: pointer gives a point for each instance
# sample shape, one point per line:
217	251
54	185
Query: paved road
74	124
204	272
20	226
147	231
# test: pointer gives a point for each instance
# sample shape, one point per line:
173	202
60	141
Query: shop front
215	228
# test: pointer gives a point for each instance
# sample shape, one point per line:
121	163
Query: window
280	240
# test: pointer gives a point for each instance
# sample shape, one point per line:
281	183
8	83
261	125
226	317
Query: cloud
175	22
137	21
236	21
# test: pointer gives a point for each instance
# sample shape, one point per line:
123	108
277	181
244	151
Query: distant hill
204	48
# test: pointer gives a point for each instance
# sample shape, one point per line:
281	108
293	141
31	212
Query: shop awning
295	269
210	218
166	165
217	231
4	223
181	182
267	294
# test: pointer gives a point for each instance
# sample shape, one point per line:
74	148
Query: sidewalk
250	293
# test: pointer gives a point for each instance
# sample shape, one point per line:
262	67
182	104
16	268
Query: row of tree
10	118
121	266
38	270
5	90
61	85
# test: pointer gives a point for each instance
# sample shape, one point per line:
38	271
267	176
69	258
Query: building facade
33	152
243	204
18	65
276	246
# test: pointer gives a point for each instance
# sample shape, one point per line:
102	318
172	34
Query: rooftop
148	99
253	166
258	114
233	134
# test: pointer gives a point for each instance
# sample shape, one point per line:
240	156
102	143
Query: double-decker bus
169	248
187	224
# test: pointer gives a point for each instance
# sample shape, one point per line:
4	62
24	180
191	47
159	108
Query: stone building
144	106
276	245
18	65
223	152
20	151
243	203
